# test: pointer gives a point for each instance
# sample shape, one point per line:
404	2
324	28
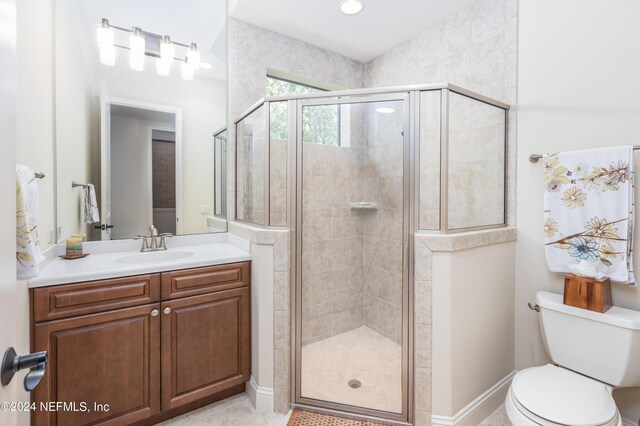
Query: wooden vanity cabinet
147	362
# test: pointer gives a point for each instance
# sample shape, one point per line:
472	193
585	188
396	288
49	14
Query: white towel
28	254
91	214
588	207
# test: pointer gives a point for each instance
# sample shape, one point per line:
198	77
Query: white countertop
207	249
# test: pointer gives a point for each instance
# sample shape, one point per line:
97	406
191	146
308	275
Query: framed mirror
140	98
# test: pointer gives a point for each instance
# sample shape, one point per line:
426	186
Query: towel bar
535	157
75	185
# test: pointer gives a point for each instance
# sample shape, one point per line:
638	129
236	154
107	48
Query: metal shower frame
410	96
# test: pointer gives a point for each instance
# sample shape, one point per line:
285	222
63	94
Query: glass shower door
352	322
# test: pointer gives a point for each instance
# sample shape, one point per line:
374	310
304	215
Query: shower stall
354	175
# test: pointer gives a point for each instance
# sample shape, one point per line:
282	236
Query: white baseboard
627	422
478	409
261	397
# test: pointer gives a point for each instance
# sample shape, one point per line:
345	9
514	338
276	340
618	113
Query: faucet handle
163	245
145	245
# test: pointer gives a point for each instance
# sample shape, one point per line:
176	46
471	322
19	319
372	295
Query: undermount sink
154	257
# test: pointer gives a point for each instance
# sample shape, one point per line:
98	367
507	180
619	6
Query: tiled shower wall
475	48
332	235
383	230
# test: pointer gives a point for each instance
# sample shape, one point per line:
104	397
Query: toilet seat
551	395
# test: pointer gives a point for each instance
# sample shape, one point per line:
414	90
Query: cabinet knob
167	310
154	313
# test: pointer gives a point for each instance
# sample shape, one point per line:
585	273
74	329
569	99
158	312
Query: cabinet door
109	358
206	345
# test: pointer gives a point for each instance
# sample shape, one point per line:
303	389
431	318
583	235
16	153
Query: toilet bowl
592	355
552	396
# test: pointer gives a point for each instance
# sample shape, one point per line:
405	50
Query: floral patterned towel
28	254
588	208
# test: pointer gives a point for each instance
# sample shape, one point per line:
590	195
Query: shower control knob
167	310
154	313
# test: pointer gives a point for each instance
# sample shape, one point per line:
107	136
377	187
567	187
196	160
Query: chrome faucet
153	235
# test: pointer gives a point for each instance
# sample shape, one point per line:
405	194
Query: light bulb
105	34
163	68
137	50
385	110
193	56
108	55
166	50
351	7
187	70
136	41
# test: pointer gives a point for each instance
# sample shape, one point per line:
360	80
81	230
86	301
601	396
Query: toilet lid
563	396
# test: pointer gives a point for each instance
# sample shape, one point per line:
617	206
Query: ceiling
382	25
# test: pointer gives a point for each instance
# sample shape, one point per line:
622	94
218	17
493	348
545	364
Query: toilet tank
605	347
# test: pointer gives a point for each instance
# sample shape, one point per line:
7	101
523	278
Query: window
321	124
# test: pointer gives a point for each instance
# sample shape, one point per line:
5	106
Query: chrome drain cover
354	384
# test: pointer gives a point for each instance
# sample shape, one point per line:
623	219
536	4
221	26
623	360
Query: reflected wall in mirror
140	91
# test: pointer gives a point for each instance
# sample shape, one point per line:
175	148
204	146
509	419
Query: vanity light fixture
351	7
164	51
385	110
193	56
105	43
137	49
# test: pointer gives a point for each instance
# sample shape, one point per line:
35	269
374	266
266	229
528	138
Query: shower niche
354	175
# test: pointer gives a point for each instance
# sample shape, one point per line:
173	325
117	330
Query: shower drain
354	384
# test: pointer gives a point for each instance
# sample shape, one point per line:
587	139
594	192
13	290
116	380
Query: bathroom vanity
137	349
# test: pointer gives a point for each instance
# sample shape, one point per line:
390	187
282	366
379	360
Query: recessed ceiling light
206	65
351	7
385	110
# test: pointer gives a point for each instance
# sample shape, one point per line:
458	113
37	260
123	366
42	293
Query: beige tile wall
475	48
476	163
383	184
332	235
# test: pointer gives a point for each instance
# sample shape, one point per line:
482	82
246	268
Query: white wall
579	87
35	104
473	327
130	198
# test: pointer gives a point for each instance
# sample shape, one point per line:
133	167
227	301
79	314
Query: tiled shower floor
361	354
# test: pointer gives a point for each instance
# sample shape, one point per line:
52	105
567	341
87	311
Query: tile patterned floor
498	418
234	411
238	411
361	354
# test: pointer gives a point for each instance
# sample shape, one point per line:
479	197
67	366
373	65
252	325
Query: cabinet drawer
75	299
191	282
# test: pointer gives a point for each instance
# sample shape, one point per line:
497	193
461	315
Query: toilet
592	354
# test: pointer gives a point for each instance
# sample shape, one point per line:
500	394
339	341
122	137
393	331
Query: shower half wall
354	175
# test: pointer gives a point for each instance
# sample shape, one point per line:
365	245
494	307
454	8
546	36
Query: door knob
167	310
12	363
